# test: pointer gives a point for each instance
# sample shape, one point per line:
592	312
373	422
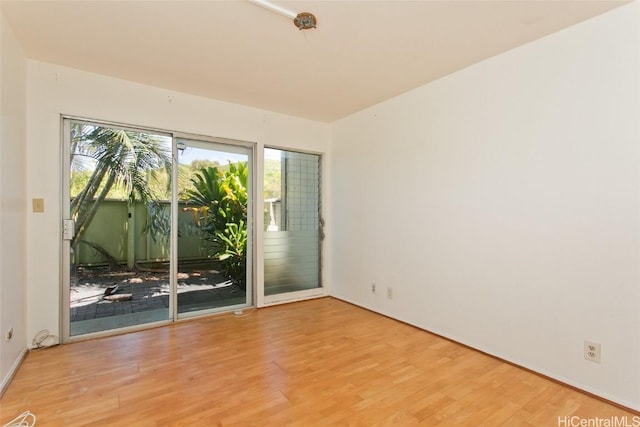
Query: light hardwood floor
314	363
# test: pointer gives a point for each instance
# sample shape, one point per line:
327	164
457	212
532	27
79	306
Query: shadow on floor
146	297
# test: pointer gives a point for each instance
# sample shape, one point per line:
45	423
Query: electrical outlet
389	292
373	288
9	334
592	351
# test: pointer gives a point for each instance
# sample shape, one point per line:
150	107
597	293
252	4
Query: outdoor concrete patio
149	297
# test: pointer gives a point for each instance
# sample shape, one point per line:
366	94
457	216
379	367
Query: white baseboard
589	390
12	372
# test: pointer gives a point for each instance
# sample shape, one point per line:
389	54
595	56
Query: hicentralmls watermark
576	421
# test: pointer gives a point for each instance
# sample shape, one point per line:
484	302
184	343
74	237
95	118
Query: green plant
158	224
110	159
218	199
233	253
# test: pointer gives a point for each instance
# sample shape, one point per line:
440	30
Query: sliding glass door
213	222
293	224
116	235
156	227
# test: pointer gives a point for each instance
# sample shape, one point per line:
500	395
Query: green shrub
219	202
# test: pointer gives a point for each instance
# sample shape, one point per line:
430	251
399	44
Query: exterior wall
109	229
502	205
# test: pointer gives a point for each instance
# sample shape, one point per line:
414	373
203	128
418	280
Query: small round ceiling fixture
305	21
302	20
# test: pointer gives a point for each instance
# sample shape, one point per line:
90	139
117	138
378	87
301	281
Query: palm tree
120	158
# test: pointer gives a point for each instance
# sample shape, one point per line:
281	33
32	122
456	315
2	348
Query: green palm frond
121	159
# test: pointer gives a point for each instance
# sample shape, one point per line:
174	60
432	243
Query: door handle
68	229
321	228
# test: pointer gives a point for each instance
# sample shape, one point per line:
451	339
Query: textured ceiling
362	52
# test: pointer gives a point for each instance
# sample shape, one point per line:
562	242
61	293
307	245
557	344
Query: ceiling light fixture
302	20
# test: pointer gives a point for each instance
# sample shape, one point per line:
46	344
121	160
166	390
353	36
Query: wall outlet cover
592	351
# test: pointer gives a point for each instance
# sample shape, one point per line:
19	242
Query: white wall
502	205
13	202
54	90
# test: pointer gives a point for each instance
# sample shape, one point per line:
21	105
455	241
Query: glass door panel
117	241
293	223
151	236
213	227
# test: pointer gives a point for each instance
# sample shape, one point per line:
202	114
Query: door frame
202	141
65	256
322	290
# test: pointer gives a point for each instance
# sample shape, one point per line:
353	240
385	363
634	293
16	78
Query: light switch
38	205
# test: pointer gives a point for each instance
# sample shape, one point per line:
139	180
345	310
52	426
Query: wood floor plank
314	363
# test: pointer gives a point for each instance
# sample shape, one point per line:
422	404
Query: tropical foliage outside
113	160
272	179
218	199
108	163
